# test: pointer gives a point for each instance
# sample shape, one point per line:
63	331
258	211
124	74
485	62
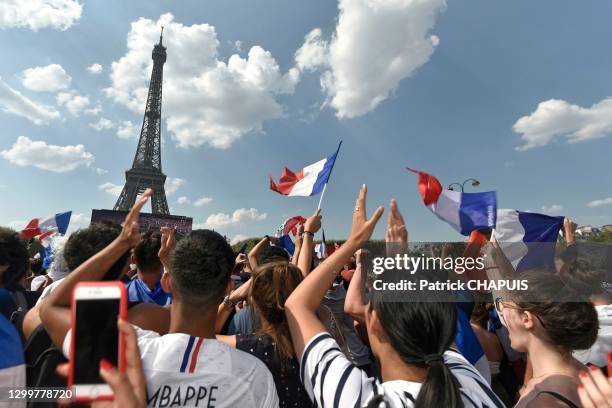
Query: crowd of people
210	327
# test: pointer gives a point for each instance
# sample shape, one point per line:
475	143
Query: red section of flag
429	187
286	181
31	230
194	356
290	225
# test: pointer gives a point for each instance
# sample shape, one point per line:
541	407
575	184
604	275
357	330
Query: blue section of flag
324	174
286	242
466	339
541	233
477	211
62	220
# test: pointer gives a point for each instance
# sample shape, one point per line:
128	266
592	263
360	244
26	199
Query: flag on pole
527	239
321	248
43	229
307	182
465	212
290	225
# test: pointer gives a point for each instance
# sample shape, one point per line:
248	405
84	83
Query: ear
166	282
373	325
527	319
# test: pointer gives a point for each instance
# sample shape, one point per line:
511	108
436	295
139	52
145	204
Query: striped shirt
332	381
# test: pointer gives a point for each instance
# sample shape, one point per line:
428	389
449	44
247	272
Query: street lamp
462	185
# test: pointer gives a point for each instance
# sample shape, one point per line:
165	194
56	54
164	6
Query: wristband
228	303
309	233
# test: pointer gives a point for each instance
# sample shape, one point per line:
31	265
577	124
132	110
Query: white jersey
188	371
597	354
332	381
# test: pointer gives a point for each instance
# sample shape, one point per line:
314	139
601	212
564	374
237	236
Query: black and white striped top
332	381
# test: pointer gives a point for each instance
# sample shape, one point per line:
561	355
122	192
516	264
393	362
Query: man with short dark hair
146	286
187	366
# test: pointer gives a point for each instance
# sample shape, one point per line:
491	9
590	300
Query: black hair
14	253
36	266
201	266
272	253
86	242
420	332
146	252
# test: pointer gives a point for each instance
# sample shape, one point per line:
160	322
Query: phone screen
96	337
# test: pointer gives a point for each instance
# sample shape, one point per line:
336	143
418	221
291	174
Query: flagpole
328	177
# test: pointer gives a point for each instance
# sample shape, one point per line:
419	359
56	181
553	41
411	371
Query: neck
547	360
394	368
150	279
199	322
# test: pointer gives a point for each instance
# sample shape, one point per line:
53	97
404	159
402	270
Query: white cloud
50	78
206	100
110	188
221	220
183	200
237	238
238	45
558	119
12	101
128	130
102	124
78	221
202	201
101	171
75	103
173	184
37	14
599	203
95	69
554	209
376	44
60	159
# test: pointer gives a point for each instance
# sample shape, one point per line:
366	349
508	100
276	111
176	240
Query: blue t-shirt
139	292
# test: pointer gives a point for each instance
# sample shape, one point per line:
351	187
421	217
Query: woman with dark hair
548	321
411	341
267	290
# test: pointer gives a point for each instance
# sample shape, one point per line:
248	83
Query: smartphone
96	307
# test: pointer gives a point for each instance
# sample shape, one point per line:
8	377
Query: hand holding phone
96	307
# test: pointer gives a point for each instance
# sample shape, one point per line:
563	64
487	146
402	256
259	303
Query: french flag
528	239
465	212
307	182
321	248
47	227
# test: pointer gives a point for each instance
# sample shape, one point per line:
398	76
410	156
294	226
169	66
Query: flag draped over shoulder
307	182
528	239
465	212
45	228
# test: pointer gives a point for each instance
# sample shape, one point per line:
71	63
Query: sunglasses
500	305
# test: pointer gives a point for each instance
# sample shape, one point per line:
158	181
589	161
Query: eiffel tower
146	171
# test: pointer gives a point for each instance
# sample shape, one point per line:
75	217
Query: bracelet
267	237
309	233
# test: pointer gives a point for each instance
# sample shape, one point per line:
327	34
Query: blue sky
463	85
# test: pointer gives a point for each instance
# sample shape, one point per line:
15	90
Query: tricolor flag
466	339
307	182
321	248
465	212
43	229
527	239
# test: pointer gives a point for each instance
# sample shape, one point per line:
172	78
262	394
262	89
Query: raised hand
313	223
130	234
168	241
396	228
569	231
362	228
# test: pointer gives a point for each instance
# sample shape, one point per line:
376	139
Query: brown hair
569	324
272	284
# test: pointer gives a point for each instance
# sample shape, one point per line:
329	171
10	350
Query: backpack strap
560	398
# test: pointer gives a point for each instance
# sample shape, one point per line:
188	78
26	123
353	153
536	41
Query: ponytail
440	388
420	333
